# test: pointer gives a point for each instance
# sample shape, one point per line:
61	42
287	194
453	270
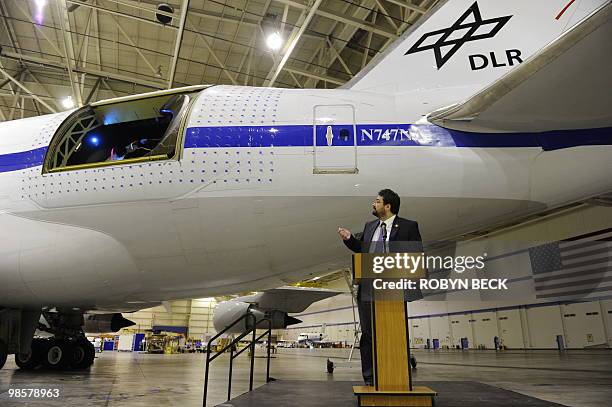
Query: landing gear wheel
82	355
413	362
30	360
3	354
330	366
56	354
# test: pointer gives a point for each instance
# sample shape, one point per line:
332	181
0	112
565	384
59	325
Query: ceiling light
40	5
274	41
67	102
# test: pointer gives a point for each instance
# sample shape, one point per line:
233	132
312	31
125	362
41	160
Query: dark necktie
384	235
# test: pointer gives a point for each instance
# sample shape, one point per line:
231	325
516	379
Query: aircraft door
334	140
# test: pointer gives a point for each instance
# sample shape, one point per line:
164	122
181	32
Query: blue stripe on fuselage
380	135
427	135
22	160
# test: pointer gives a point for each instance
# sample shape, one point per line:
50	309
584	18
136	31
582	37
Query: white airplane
273	305
482	112
310	338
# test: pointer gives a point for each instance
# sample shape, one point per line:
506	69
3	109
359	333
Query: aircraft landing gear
83	354
3	353
68	349
31	359
17	328
57	354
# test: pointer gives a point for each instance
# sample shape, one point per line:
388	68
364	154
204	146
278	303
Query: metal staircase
251	328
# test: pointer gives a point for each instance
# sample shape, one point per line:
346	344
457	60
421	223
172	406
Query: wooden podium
390	343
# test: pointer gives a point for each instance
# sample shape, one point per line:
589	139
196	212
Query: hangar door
334	140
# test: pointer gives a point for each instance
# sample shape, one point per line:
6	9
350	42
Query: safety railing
251	328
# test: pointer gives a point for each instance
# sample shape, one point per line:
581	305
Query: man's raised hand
344	234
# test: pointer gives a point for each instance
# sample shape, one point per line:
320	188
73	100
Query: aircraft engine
101	323
229	311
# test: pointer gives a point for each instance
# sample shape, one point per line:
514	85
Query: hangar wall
532	326
196	315
533	321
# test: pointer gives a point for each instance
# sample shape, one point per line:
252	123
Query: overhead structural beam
387	15
149	6
15	103
366	50
141	5
10	85
68	48
408	6
120	14
314	75
245	57
138	51
211	15
40	30
109	88
332	15
274	62
23	101
98	42
266	6
7	81
7	94
89	71
53	45
8	26
44	88
410	19
342	38
295	38
177	44
94	91
84	49
215	57
337	55
348	31
26	90
284	19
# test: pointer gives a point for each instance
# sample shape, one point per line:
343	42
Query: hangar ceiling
57	52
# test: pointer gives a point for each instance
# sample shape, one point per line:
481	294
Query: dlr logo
481	61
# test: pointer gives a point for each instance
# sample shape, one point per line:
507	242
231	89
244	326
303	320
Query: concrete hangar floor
510	378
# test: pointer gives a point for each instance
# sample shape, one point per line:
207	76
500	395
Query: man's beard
375	213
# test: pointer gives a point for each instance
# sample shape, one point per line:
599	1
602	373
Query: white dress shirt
388	226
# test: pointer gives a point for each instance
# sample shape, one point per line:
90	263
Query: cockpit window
145	129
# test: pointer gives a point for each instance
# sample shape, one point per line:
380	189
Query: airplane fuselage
263	179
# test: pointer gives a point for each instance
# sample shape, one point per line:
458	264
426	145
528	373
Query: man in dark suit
387	234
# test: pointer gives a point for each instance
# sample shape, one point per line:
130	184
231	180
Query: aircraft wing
564	86
288	299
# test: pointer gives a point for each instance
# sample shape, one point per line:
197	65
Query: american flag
579	267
